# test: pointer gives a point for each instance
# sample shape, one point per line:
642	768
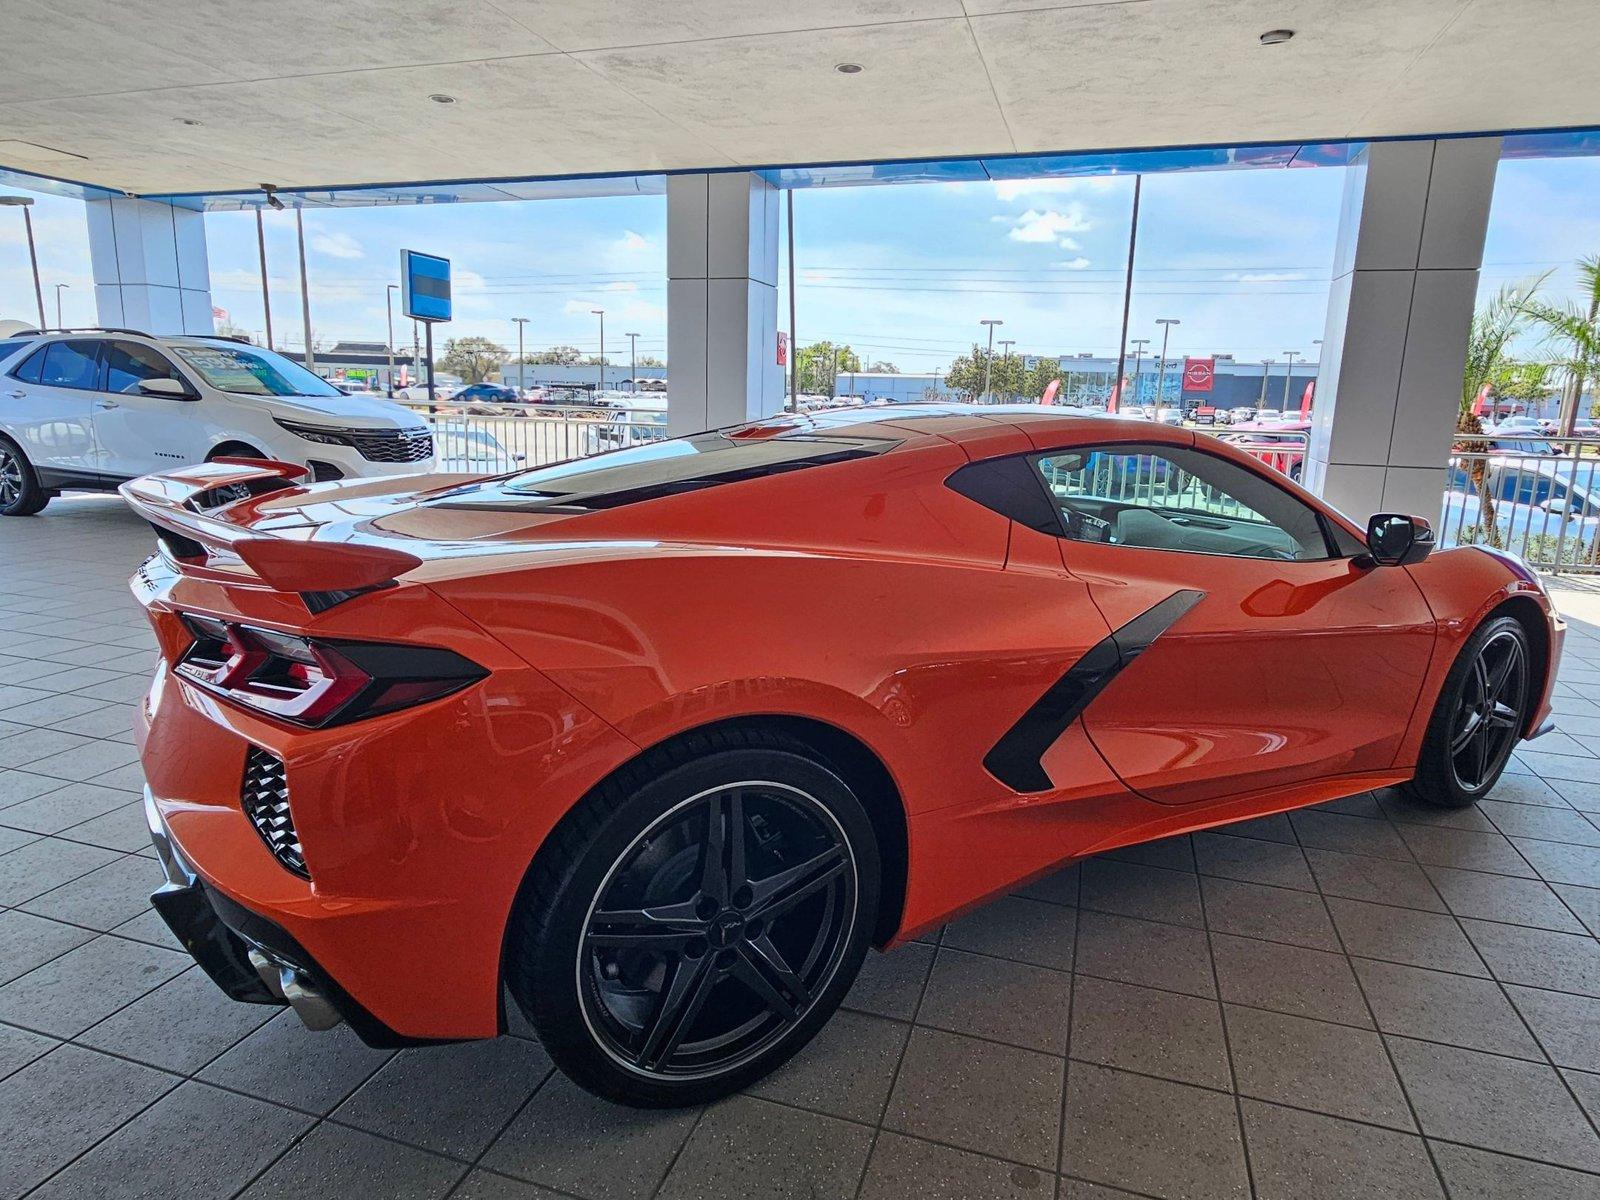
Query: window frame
110	344
96	385
1332	550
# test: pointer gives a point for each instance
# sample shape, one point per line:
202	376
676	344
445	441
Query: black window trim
172	365
44	349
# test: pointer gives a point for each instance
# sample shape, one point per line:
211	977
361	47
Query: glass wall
62	236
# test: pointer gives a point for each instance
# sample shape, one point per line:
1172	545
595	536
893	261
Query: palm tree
1494	327
1574	328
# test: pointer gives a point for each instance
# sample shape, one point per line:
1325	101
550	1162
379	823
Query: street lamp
25	203
1138	352
1266	374
601	313
522	382
633	359
1166	324
1289	356
988	358
388	309
60	324
833	378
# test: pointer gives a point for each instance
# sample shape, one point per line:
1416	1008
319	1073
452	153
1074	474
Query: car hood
359	412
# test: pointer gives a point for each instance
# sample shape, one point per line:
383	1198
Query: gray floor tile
1558	862
68	994
49	710
120	829
1276	914
16	786
12	839
1537	821
104	898
904	1168
286	1063
996	998
1405	810
745	1147
19	1047
567	1139
1173	853
1016	927
1568	1026
890	985
1363	804
1474	1174
1404	935
846	1070
1274	828
1289	979
1145	952
149	927
93	760
26	941
1495	1103
1537	957
58	1106
1133	890
1503	898
1307	1156
1152	1136
1440	1007
37	745
483	1185
1582	795
1155	1033
180	1026
1352	835
448	1099
1253	861
1525	789
1468	849
173	1147
979	1096
1330	1069
1058	887
1584	903
1381	880
102	721
334	1161
69	805
47	863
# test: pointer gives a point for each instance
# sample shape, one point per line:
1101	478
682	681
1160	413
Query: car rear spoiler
178	504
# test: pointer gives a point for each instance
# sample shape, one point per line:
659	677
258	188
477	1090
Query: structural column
1405	279
151	271
722	300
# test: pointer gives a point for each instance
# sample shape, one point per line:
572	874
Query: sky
904	274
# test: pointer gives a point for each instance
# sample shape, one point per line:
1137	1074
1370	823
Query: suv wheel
20	493
695	922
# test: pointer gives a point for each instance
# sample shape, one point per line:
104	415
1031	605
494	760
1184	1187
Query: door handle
16	395
106	404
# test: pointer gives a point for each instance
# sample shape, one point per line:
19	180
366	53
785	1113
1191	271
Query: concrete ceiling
162	96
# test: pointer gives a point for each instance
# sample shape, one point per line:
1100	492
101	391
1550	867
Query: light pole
988	357
1266	373
305	290
60	324
833	377
1166	324
1138	352
1289	356
633	359
522	368
388	309
601	313
25	203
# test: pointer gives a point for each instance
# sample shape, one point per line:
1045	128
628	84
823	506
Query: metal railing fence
1539	499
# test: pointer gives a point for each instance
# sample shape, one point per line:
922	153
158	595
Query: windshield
249	371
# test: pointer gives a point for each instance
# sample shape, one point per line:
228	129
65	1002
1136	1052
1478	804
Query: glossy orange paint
863	596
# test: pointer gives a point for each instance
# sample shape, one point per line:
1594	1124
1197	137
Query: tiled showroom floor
1279	1008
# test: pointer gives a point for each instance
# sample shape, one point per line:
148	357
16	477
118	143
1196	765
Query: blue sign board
425	286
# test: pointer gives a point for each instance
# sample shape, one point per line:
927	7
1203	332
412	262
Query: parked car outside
1281	445
1535	498
1170	416
88	410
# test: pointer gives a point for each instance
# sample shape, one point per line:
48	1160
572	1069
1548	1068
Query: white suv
90	409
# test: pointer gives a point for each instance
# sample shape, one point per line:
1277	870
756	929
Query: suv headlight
317	433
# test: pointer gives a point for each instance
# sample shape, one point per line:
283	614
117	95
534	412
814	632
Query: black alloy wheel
20	493
716	929
1489	711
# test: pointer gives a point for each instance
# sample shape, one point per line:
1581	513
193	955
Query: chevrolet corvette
663	741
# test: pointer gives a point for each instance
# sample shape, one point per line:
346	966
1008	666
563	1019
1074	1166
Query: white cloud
1050	226
1025	189
632	241
622	286
573	308
337	245
1074	264
1268	276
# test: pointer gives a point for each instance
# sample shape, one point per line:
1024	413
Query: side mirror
167	389
1557	506
1396	540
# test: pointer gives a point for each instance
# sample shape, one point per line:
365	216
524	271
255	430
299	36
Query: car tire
1479	717
21	494
658	967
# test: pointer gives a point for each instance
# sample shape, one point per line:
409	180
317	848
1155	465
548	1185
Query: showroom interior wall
151	270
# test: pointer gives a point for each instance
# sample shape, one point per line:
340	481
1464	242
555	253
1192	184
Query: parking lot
1361	999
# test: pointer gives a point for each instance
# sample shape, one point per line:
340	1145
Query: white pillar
1405	278
151	272
722	300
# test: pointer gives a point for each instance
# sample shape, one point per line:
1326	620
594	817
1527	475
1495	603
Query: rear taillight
317	682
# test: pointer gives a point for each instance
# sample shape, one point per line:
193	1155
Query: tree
884	368
1008	375
819	365
556	356
1494	327
472	358
226	328
1574	329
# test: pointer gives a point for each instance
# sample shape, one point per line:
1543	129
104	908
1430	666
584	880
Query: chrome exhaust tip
315	1010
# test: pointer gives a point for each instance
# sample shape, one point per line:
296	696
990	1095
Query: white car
91	409
1170	416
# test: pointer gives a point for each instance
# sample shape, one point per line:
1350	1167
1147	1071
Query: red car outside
667	738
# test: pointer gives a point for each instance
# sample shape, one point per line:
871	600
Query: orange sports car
663	740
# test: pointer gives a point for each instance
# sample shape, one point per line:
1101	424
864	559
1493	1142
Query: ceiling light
441	98
187	121
1273	36
849	68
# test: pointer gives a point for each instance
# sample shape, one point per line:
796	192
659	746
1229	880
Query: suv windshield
249	371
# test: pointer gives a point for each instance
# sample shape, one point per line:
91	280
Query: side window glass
1172	498
31	367
71	365
128	363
